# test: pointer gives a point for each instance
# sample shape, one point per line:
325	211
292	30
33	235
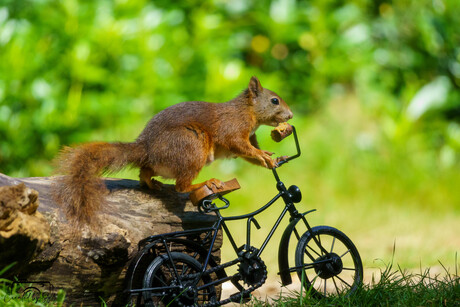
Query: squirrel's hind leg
146	180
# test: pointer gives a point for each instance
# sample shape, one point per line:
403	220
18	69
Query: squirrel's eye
275	101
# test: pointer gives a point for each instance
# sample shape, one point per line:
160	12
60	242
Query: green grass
16	294
394	287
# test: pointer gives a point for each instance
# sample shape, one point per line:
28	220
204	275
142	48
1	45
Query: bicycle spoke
345	253
160	280
335	285
309	256
185	269
349	269
343	281
332	247
312	251
182	270
162	277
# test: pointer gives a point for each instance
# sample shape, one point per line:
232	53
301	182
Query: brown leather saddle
205	193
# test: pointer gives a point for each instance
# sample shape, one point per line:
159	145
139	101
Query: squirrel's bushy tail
80	192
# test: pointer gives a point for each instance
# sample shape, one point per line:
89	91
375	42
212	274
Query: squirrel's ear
255	88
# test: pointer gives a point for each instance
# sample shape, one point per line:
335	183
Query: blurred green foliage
80	70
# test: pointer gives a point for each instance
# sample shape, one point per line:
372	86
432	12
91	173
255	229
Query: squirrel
176	144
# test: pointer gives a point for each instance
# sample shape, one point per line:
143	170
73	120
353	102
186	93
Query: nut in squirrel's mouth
278	122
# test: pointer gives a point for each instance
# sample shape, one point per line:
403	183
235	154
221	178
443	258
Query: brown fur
176	143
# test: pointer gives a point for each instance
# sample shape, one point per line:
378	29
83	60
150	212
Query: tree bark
92	265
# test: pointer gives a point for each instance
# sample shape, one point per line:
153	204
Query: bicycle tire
341	263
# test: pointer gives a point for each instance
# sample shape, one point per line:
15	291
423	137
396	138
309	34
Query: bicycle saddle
205	193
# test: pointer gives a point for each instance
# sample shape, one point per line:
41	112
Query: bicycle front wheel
328	262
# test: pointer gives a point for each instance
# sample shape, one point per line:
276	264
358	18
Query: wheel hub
184	295
330	265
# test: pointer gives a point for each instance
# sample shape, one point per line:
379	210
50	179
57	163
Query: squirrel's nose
290	115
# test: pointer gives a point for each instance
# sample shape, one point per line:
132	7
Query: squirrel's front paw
268	152
280	159
267	161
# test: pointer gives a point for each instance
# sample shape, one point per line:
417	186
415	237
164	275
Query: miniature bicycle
179	268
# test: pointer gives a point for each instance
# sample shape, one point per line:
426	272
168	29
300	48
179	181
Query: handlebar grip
282	162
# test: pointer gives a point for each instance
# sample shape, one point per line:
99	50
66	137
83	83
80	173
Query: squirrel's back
177	116
198	117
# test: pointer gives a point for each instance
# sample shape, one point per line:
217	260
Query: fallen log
91	265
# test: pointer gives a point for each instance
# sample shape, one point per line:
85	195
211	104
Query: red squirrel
176	143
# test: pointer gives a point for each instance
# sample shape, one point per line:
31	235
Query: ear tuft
255	88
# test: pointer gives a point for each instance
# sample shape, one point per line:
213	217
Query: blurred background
374	87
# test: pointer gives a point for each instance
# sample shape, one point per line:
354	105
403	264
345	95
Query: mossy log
35	234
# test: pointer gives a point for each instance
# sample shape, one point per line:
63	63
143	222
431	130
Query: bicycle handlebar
297	147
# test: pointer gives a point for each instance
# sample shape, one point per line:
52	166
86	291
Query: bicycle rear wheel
329	265
172	284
